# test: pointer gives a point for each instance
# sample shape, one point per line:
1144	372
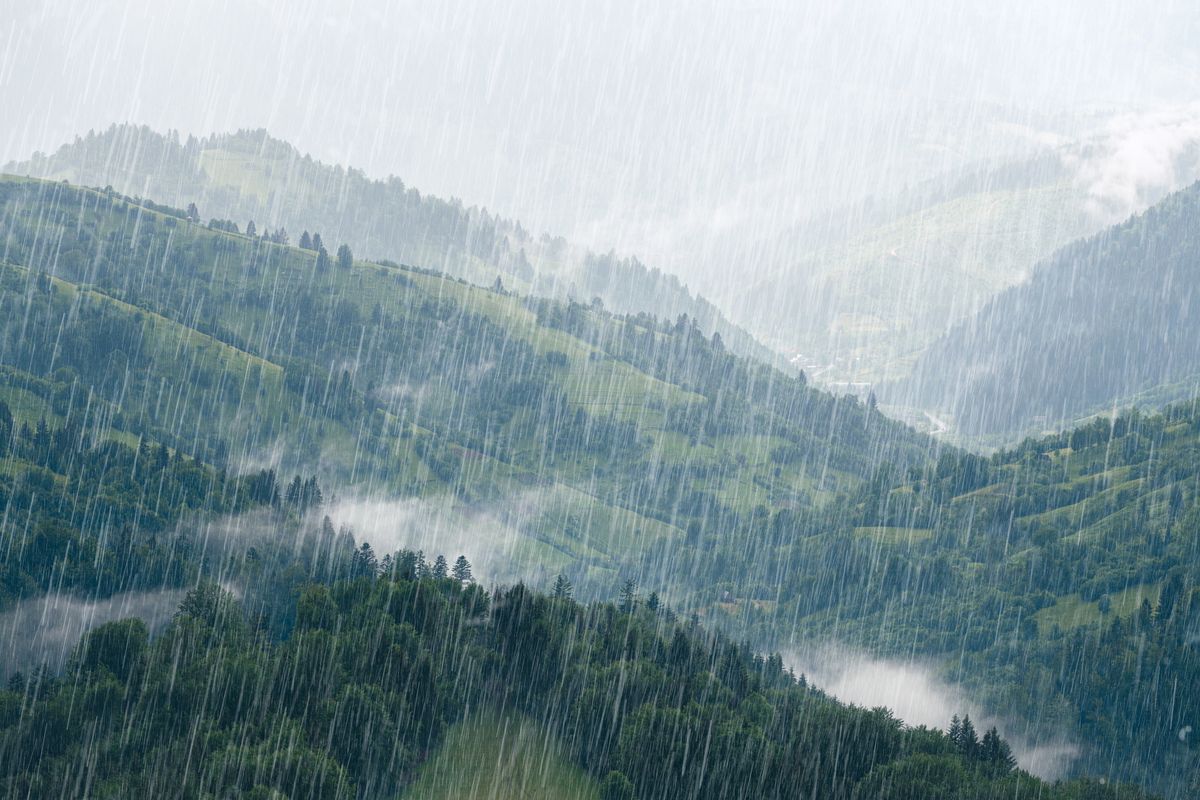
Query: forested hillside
579	401
1103	320
184	401
604	443
379	670
251	177
1058	579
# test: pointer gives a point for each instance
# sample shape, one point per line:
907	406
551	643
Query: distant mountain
857	294
251	176
1105	319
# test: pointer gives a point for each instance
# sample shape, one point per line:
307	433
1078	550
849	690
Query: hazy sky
645	126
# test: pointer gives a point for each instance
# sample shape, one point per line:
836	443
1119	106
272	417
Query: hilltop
251	176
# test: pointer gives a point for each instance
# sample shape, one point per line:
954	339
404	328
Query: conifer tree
968	740
996	753
345	258
462	570
629	596
363	563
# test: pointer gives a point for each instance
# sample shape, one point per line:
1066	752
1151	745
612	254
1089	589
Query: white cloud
490	539
915	694
1138	158
46	630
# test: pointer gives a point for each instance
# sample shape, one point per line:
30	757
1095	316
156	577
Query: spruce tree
995	753
345	258
968	740
462	570
363	563
629	596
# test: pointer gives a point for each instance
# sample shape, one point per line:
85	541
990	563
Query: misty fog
684	139
510	381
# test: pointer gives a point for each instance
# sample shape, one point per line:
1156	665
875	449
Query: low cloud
491	539
917	695
1137	159
46	630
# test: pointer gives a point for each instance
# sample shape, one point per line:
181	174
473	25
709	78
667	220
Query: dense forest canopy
150	359
376	669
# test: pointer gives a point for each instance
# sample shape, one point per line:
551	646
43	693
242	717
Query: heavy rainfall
600	400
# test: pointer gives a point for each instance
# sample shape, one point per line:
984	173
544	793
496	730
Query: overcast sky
644	126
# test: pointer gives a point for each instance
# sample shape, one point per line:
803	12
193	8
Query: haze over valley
583	400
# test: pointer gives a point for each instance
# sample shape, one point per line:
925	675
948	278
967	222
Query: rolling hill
164	377
585	441
858	294
1036	576
250	176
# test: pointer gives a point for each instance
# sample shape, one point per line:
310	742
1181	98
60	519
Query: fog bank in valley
46	630
915	693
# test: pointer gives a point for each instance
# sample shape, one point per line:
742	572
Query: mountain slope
542	437
1104	319
588	442
1060	580
857	294
250	176
355	699
502	758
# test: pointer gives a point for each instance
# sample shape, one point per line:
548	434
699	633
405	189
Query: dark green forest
149	361
376	668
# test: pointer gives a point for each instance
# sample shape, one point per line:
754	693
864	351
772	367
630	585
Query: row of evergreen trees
376	668
313	242
992	751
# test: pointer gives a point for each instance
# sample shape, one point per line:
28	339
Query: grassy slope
594	381
1072	611
501	758
1107	511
